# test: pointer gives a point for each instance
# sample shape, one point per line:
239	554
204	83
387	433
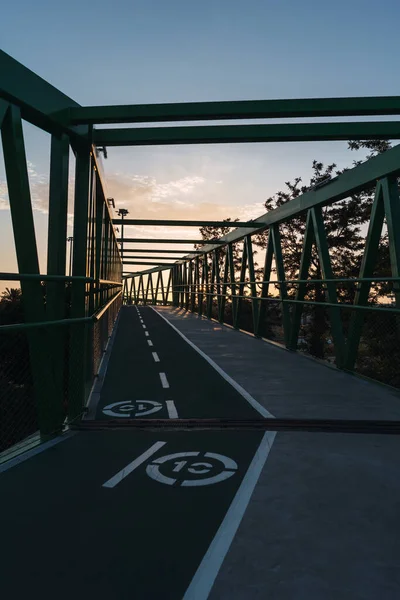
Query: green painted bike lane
145	537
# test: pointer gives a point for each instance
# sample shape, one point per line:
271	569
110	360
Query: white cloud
190	197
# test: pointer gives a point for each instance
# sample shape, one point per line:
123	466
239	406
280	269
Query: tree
345	223
12	295
345	226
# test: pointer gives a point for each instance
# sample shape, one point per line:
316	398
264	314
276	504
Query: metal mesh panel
101	332
379	349
18	414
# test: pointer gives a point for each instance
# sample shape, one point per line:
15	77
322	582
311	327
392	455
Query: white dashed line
164	380
150	343
146	333
144	326
155	356
172	412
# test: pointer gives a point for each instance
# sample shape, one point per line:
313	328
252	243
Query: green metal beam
227	134
243	109
182	223
38	101
165	241
56	259
148	263
3	110
78	334
147	258
154	251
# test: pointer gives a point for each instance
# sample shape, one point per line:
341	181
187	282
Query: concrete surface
322	522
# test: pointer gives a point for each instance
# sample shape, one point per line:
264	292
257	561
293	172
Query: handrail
60	322
40	277
27	276
96	316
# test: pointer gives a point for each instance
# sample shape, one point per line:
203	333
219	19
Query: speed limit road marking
130	409
185	469
188	471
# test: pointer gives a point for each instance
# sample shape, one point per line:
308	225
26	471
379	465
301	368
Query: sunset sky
158	51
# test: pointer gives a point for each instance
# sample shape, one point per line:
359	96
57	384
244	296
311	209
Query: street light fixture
122	212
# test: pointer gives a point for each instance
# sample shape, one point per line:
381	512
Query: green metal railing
58	328
211	285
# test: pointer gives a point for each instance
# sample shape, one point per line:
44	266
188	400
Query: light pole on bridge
122	212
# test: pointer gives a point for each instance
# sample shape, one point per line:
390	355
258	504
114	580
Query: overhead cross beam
148	263
165	241
154	251
224	134
149	257
182	223
242	109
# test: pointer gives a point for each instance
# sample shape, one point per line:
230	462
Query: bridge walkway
113	511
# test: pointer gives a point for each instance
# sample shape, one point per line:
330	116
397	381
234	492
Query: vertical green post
169	283
204	276
218	280
221	312
301	289
56	261
243	268
232	277
210	296
326	270
280	271
265	285
366	271
253	286
195	283
79	332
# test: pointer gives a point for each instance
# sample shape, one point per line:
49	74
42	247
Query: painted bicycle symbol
132	408
190	469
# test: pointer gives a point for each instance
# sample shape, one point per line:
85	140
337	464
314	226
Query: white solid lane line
150	343
156	357
172	412
203	580
164	380
118	477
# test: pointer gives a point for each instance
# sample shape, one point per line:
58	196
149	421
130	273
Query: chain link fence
19	396
18	414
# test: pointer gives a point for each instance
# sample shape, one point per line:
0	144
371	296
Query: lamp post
122	212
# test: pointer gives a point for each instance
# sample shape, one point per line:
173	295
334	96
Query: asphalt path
153	372
134	514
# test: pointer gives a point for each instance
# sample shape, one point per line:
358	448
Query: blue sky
170	51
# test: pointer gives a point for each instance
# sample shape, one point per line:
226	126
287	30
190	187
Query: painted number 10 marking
194	468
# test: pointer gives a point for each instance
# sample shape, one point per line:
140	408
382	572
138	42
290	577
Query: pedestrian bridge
197	429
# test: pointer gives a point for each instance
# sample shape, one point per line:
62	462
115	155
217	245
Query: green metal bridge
164	432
